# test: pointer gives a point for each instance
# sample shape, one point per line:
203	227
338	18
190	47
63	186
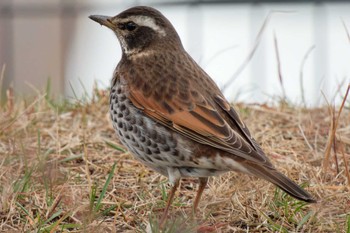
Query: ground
62	169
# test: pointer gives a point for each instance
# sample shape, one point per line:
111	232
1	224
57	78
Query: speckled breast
151	143
155	145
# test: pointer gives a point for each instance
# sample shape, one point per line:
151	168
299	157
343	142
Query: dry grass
57	174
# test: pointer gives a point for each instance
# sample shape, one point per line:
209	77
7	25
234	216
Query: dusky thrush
172	116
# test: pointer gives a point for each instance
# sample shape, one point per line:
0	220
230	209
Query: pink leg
170	200
202	183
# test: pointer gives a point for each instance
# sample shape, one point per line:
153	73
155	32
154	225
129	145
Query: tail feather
282	182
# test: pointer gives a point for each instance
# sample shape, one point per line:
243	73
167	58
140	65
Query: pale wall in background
75	50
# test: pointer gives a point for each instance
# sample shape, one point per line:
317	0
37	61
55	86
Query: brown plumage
171	115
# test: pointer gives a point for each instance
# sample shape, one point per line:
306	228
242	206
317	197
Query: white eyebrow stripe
147	22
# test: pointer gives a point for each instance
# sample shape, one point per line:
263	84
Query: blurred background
302	51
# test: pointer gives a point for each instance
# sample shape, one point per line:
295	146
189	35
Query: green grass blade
39	143
304	220
106	211
73	91
24	210
92	197
64	226
104	189
115	146
53	216
273	225
71	158
22	184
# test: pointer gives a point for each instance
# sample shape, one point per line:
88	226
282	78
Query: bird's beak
103	20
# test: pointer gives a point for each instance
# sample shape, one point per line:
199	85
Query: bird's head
141	29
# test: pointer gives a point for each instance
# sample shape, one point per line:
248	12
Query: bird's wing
208	120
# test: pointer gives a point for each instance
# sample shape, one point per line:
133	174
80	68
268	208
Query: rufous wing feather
202	120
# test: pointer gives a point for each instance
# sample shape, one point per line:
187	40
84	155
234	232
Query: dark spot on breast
154	145
126	112
120	115
131	119
122	98
165	147
156	151
120	124
175	152
161	139
122	107
148	151
128	118
153	134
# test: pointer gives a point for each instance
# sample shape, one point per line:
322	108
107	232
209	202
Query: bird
172	116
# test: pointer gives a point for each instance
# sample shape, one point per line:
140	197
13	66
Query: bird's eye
130	26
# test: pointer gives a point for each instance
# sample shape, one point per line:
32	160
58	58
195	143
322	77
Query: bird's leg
202	183
171	195
174	179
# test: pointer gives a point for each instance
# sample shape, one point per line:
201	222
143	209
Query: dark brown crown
148	12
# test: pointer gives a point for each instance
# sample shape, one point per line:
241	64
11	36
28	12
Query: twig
334	144
252	51
22	113
333	132
346	30
301	74
304	136
345	163
279	66
218	53
2	77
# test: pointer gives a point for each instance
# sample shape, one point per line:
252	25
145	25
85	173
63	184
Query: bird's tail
281	181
